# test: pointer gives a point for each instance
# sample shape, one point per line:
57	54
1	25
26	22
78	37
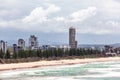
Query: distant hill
116	45
98	45
91	45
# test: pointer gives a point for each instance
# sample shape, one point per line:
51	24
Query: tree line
50	53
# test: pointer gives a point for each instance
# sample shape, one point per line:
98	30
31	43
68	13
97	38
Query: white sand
54	63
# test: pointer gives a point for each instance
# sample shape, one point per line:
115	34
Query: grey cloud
107	10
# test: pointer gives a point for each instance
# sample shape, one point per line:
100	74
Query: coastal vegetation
49	54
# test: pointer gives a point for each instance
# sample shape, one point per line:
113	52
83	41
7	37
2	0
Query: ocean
87	71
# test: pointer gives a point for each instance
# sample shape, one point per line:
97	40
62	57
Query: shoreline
44	63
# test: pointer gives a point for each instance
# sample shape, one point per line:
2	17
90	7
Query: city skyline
96	21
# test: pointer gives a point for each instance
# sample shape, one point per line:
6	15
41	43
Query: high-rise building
3	46
15	48
21	44
33	42
72	41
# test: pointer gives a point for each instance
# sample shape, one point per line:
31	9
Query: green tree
1	53
61	52
66	53
15	55
55	52
39	53
78	52
7	55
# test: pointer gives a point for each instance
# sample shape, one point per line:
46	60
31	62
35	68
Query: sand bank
54	63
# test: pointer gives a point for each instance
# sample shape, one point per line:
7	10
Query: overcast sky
96	21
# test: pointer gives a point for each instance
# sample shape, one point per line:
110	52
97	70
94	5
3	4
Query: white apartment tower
21	44
3	46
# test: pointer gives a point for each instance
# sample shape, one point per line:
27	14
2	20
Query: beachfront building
110	50
64	47
21	44
15	48
3	46
72	42
33	42
45	47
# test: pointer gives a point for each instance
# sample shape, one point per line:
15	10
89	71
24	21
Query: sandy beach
54	63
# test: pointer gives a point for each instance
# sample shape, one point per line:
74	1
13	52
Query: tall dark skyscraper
33	42
72	41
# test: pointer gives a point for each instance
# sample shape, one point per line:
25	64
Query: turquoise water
88	71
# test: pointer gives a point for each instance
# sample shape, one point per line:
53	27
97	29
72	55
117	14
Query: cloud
40	14
79	15
39	20
111	7
113	23
97	31
9	3
58	18
83	14
107	8
9	13
101	28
